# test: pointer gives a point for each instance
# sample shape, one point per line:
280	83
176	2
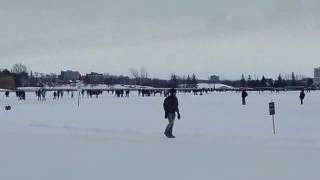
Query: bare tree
287	77
141	77
19	68
144	73
300	77
36	74
135	75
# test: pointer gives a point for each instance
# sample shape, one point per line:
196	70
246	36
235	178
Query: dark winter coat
171	104
244	94
302	95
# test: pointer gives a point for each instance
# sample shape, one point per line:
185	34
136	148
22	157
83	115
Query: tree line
279	82
35	79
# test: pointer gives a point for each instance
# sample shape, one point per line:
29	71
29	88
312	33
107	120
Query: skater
7	93
127	93
244	94
170	106
39	94
43	94
54	95
302	96
82	93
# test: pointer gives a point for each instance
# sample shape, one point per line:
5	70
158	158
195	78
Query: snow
119	86
121	138
216	86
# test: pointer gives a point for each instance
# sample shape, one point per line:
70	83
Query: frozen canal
122	138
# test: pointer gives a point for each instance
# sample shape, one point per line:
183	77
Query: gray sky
224	37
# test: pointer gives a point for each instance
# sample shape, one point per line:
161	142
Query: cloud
206	37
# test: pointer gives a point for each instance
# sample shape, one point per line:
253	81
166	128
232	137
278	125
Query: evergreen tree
251	83
281	82
194	81
243	82
174	81
293	79
188	82
6	72
263	82
278	81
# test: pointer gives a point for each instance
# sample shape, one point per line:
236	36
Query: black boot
167	134
171	136
170	133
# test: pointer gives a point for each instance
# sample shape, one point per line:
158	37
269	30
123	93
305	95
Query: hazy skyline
223	37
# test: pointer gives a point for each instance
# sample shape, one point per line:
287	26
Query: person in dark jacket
7	93
171	107
244	94
302	96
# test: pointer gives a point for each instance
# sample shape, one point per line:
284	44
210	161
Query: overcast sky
223	37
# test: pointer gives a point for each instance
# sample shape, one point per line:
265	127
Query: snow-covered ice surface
122	138
216	86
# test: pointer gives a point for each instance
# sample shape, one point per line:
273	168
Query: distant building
94	78
316	79
7	81
70	75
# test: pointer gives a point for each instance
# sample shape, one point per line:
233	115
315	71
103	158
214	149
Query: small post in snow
272	113
79	88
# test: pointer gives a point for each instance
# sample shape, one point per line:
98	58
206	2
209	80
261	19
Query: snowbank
216	86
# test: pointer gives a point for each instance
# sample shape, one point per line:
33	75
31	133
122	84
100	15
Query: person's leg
169	129
171	122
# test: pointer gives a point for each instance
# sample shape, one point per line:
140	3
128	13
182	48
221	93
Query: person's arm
179	116
178	112
165	110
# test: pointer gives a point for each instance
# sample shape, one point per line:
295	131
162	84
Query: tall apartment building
316	79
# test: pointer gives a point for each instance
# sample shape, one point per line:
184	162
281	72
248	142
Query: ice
122	138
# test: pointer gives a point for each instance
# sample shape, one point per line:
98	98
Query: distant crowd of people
170	104
41	93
